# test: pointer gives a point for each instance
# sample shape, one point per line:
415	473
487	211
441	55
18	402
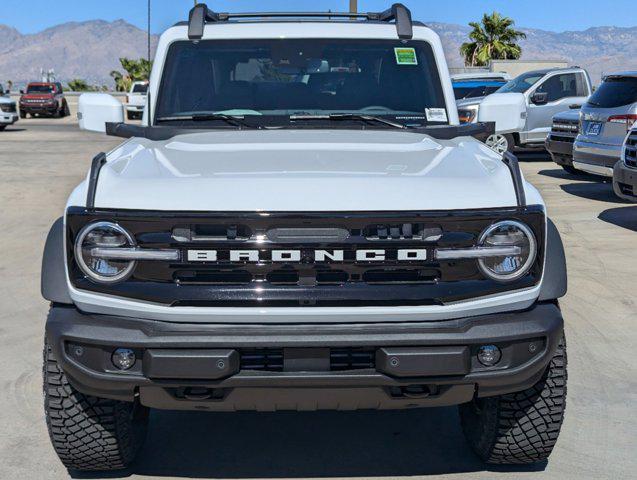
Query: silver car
606	119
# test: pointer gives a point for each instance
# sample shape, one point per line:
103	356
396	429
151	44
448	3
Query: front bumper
596	158
625	181
8	118
417	364
561	151
34	108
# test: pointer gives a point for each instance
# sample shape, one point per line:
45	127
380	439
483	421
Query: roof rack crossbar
201	14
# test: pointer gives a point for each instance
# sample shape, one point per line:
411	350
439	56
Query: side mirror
21	92
540	98
96	109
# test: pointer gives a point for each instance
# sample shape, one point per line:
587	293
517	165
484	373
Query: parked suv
136	100
559	142
523	109
302	224
606	119
625	171
8	113
44	99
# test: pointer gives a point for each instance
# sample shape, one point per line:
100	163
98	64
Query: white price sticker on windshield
436	114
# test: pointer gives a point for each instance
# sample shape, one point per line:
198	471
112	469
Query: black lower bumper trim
561	152
625	181
198	366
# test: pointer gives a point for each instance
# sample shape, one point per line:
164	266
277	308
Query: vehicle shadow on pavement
625	217
303	445
564	175
599	191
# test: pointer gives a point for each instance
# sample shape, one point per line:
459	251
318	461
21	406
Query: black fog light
489	355
123	358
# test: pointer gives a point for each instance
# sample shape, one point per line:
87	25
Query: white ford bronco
300	223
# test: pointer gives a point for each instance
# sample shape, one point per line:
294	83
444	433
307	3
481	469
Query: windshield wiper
350	116
207	117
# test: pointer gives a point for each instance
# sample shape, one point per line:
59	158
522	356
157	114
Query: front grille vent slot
631	151
400	276
403	231
262	359
212	233
214	277
343	359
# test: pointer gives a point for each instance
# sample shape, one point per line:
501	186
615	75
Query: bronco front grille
563	131
306	259
630	157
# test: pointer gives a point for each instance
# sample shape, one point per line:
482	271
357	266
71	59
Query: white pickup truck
136	100
8	109
300	223
523	109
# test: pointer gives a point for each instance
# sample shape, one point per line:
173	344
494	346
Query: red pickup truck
44	99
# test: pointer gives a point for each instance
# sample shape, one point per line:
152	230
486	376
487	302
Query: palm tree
494	38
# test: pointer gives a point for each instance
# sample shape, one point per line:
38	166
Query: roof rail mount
201	15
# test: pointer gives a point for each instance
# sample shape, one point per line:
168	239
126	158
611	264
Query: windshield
140	88
522	83
463	90
615	92
40	89
266	79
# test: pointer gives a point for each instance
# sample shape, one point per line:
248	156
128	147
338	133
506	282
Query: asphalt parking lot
41	160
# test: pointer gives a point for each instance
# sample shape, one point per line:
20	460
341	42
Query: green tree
136	71
492	39
79	85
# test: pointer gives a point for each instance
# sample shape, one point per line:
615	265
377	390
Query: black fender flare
555	282
53	280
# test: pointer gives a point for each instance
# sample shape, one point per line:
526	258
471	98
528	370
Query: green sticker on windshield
406	56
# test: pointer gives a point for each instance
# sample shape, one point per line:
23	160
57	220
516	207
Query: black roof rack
200	15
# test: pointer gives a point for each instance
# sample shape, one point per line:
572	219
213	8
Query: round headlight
508	233
103	235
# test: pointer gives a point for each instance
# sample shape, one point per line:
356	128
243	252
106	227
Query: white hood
302	170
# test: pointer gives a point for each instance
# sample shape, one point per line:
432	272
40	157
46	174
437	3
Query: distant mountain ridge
90	50
599	49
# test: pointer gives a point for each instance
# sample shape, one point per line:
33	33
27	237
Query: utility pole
353	6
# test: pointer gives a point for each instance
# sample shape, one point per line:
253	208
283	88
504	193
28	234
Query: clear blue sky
30	16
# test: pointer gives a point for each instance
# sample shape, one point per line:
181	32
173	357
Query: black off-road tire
89	433
519	428
2	127
23	115
67	111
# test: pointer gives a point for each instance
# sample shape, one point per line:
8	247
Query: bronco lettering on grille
316	256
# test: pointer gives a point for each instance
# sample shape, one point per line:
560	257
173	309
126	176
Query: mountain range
90	50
